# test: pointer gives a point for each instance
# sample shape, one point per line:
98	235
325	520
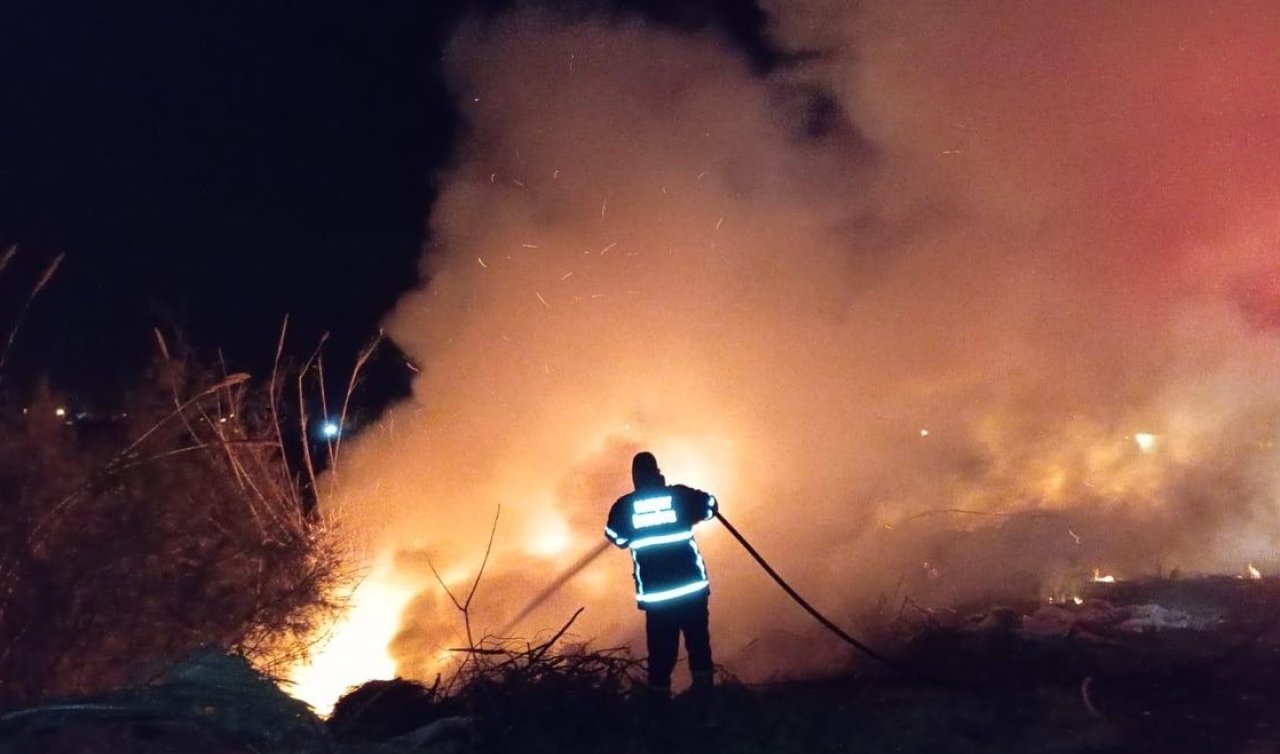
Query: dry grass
126	544
180	527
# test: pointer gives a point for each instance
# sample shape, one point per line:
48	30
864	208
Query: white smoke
940	273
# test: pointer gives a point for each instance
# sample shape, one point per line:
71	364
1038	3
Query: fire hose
594	553
802	602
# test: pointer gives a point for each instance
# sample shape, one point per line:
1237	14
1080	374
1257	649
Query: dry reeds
128	545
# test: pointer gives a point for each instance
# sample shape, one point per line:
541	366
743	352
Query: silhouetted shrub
176	527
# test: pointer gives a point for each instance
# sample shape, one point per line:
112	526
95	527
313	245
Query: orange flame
355	650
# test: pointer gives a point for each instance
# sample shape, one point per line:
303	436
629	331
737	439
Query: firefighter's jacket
656	525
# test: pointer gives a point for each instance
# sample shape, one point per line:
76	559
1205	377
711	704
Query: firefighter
656	524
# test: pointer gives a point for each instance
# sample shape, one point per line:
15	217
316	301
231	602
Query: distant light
924	433
59	412
329	430
1146	441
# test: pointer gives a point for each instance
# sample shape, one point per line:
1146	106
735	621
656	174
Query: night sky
209	167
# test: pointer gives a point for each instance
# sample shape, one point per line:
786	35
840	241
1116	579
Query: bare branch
537	654
161	344
234	379
444	586
324	400
273	398
31	296
484	562
7	256
302	417
361	360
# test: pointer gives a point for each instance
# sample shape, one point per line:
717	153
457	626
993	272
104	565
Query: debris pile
1098	616
210	702
1183	664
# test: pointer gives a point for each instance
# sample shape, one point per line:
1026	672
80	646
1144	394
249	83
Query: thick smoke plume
969	300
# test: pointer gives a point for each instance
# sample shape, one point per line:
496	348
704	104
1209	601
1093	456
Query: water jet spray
555	586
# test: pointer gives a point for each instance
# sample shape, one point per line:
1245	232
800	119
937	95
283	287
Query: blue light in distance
330	430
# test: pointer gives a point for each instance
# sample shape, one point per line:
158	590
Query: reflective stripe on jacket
656	524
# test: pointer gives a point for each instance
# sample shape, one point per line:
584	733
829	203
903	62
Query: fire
705	462
355	650
1100	578
1254	573
548	536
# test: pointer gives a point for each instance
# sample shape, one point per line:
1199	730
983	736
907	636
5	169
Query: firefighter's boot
702	696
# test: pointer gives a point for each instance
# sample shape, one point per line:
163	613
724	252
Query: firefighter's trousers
663	625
